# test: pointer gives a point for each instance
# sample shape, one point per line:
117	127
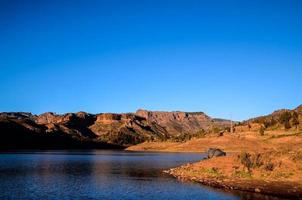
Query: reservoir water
99	174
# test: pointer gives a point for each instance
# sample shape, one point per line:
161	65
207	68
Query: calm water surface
99	175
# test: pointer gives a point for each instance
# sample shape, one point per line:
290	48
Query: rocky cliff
26	131
110	130
84	130
179	123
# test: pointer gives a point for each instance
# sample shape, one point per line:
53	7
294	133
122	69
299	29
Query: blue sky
230	59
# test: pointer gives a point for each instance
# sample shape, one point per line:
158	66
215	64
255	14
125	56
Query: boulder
213	152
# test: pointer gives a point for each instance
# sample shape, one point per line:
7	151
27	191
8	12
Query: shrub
245	160
201	133
284	119
261	131
287	125
250	161
295	120
242	174
269	166
215	129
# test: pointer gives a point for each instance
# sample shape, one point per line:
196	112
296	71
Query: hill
105	130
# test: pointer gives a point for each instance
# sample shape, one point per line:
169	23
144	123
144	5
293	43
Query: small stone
257	190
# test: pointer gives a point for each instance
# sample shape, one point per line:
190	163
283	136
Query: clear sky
228	58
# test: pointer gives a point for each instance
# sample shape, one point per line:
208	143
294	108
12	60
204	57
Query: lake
99	174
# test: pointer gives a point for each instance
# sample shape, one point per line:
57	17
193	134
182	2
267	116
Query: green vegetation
286	119
241	174
284	174
212	172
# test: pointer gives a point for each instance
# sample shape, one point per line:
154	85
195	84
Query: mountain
183	123
111	130
22	131
105	130
283	119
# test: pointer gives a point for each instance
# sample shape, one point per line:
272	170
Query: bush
261	131
245	160
250	161
269	166
287	125
200	134
216	129
284	119
295	120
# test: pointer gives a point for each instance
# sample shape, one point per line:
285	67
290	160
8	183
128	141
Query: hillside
283	119
84	130
263	155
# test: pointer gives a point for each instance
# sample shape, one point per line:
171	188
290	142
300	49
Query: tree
295	120
284	119
261	131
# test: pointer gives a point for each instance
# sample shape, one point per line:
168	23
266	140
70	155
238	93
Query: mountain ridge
114	130
123	129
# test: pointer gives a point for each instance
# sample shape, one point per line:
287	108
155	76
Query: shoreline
229	173
275	188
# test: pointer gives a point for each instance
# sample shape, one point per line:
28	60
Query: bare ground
270	164
247	141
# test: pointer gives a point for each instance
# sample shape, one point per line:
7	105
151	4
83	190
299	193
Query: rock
257	190
179	123
213	152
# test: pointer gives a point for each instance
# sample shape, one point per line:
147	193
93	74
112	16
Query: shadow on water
98	174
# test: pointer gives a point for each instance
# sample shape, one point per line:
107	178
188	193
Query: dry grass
270	164
246	141
269	172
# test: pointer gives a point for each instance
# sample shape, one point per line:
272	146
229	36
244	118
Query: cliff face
109	130
81	130
19	131
126	129
76	130
177	123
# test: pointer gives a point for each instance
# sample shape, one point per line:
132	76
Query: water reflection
100	175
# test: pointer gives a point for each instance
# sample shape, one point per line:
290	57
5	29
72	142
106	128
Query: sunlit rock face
177	122
81	128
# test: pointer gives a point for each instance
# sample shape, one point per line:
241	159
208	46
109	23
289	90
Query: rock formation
177	123
81	130
110	130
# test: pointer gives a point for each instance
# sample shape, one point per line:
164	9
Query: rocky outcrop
19	131
178	123
76	130
213	152
51	129
126	129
